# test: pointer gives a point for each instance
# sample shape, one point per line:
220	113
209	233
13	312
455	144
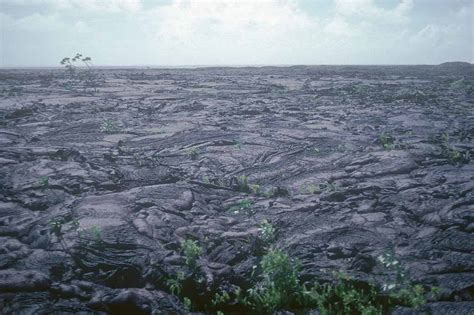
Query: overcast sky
236	32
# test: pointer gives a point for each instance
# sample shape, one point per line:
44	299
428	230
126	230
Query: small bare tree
85	78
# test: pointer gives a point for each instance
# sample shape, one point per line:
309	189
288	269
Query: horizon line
232	65
194	66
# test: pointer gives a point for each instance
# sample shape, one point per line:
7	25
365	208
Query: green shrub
280	283
174	283
191	251
399	288
254	188
266	232
455	156
279	288
342	298
387	141
109	126
57	226
192	153
44	181
244	206
243	183
269	193
220	298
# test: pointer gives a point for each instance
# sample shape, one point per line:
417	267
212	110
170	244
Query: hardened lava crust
102	182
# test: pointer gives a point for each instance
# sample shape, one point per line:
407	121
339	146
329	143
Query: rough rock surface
98	189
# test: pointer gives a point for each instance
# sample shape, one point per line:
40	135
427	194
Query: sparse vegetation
174	284
315	151
400	289
266	232
192	153
44	181
109	126
245	206
269	192
188	304
280	288
237	144
96	233
143	159
452	154
243	182
310	189
80	73
254	188
191	251
57	226
387	141
343	297
463	85
220	298
250	199
455	156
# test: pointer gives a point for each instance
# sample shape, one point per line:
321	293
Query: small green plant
96	234
91	235
341	148
191	251
463	85
75	224
280	271
328	187
266	232
400	289
309	189
411	295
279	286
452	154
44	181
57	226
143	159
188	304
455	156
205	179
109	126
192	153
237	144
269	192
445	137
243	183
244	206
342	297
220	298
254	188
387	141
174	284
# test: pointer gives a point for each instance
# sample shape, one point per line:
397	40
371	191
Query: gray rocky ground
99	188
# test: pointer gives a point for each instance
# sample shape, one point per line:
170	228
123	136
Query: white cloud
369	10
239	31
338	27
184	18
93	5
211	31
35	23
